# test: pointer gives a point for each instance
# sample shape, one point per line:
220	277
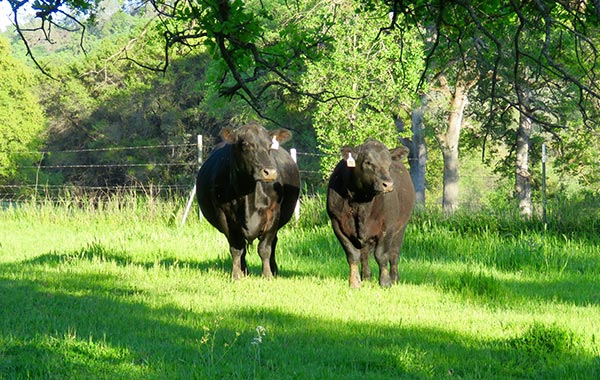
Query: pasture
121	291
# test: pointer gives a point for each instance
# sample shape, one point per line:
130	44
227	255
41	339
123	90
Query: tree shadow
87	329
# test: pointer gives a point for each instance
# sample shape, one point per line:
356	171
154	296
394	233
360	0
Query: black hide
369	202
248	190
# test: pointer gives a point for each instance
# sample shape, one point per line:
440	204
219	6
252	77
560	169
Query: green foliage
373	75
577	158
21	117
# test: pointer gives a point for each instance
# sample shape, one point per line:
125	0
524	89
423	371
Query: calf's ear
282	135
399	153
228	135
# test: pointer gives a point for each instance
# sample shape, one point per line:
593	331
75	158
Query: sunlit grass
124	292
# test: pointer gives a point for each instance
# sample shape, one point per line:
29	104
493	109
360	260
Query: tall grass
118	289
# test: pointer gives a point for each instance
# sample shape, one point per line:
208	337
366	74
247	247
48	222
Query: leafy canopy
21	117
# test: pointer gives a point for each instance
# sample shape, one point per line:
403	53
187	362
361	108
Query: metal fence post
544	185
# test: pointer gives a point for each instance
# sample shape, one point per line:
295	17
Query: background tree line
490	81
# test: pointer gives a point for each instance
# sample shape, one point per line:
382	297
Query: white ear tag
274	143
350	161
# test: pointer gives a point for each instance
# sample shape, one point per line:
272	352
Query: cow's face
371	166
252	147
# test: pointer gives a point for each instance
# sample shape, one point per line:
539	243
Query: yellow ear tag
274	143
350	161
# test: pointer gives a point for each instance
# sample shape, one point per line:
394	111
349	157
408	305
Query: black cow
247	189
369	200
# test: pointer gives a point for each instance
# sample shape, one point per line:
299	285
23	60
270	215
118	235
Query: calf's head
252	147
370	164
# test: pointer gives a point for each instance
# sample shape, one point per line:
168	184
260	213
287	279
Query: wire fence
84	177
99	173
160	170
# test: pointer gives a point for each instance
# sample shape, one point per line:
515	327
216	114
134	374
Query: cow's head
370	165
252	147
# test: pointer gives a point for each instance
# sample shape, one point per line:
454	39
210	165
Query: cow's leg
353	256
395	256
352	253
237	248
266	249
364	263
383	260
272	261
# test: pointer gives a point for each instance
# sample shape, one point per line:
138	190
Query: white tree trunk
449	145
418	153
522	175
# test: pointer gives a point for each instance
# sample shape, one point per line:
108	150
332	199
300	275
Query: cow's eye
246	145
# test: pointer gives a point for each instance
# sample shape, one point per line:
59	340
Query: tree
374	76
262	46
534	82
241	34
21	116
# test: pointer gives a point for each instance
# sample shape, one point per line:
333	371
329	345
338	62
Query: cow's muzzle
268	174
387	186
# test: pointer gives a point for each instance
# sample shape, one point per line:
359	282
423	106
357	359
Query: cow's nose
269	174
387	186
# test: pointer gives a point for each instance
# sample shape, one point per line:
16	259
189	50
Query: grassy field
121	291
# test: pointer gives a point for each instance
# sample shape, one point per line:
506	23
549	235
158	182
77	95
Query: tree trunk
449	145
418	153
522	175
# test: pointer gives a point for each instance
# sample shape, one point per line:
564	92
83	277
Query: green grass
121	291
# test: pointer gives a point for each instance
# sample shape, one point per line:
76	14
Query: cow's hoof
268	275
385	282
236	275
354	283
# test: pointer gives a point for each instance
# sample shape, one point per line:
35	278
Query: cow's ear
399	153
346	150
228	135
282	135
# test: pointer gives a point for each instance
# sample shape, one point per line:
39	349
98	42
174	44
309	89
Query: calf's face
252	147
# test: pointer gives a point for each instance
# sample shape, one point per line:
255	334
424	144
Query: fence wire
40	187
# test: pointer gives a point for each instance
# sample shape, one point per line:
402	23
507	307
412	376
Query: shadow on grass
98	252
320	255
47	332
